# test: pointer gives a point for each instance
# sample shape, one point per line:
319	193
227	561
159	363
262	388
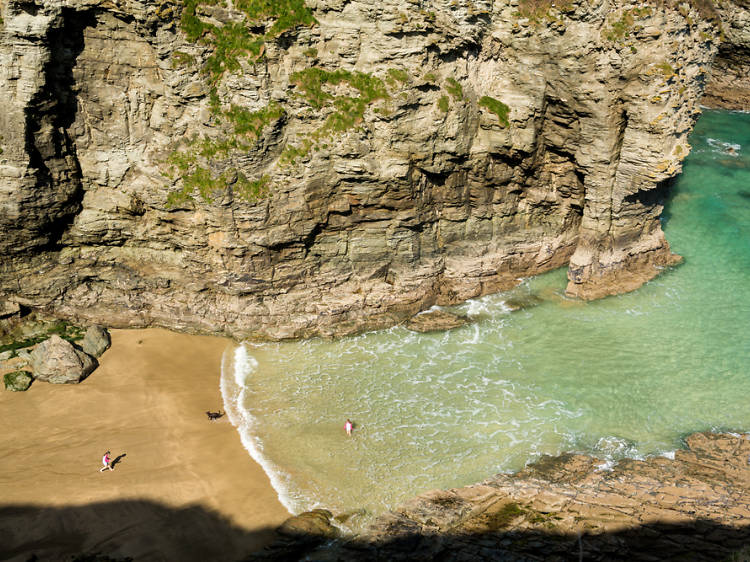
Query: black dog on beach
213	416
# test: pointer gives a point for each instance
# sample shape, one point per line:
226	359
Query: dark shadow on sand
139	529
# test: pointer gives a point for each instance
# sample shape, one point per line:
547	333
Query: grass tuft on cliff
498	108
234	40
316	85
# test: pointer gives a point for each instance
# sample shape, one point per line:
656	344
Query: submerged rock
96	341
17	381
55	360
436	320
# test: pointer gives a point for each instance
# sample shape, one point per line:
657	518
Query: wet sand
184	487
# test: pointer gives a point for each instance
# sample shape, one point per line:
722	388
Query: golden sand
185	488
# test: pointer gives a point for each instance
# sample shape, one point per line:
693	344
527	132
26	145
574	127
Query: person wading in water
348	426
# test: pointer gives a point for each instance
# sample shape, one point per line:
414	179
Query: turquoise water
625	376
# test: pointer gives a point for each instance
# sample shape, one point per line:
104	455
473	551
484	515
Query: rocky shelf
695	506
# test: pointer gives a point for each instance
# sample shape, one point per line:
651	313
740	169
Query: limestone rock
17	381
436	320
496	147
96	341
55	360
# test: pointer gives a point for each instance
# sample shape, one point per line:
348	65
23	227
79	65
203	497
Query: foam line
236	367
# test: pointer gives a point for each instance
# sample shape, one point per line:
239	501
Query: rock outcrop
693	507
348	165
436	320
729	84
17	381
55	360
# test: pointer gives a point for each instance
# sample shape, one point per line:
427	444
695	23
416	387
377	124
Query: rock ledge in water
436	320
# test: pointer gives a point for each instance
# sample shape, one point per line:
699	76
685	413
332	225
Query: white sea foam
731	149
668	454
235	371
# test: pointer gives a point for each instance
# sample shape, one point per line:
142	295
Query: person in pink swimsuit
348	427
106	460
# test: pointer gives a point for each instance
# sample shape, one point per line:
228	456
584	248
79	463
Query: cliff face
729	86
335	167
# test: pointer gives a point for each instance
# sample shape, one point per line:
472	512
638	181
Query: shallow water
625	376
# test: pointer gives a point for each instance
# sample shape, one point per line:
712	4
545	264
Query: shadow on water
147	531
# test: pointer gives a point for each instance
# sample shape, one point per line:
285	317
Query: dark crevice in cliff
49	116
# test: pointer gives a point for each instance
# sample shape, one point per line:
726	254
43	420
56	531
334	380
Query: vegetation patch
498	108
194	161
444	104
63	329
234	40
17	381
345	111
538	9
666	70
502	518
396	75
180	59
454	89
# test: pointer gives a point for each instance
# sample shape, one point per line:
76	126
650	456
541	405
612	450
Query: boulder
96	341
5	355
436	320
57	361
310	524
17	381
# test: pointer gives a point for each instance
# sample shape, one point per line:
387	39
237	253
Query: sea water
625	376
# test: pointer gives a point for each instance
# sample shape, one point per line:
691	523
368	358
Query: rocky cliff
286	169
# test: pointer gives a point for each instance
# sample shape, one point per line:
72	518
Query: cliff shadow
699	540
143	530
139	530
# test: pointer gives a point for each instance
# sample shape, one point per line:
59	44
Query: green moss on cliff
234	40
498	108
344	111
454	89
193	162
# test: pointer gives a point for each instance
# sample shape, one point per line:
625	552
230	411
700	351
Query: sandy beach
184	488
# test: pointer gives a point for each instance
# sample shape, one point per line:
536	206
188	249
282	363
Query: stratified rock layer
431	196
694	507
729	86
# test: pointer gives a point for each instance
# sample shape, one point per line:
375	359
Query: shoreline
147	402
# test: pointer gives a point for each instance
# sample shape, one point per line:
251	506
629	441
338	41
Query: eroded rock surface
729	85
693	507
391	156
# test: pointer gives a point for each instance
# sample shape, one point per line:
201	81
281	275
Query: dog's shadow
118	459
